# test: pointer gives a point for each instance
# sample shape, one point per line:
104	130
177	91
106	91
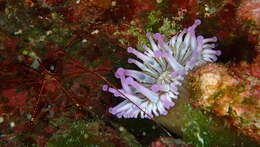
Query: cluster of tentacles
164	64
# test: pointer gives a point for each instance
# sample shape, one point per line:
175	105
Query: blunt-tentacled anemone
152	90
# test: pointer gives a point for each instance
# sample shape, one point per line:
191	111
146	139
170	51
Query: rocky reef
56	55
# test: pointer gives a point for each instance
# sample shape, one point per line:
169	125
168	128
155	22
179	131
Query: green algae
169	27
154	22
94	133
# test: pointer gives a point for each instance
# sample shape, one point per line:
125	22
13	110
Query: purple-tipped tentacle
180	38
174	88
148	51
143	67
208	46
197	22
177	74
212	39
161	108
122	108
120	73
134	99
105	88
184	52
171	60
196	54
193	40
167	103
139	76
147	60
152	96
192	33
157	87
161	42
114	110
209	58
211	52
200	43
138	54
148	110
173	41
218	52
153	44
188	36
115	92
151	54
172	95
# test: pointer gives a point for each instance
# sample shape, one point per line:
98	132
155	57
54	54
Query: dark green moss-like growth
82	133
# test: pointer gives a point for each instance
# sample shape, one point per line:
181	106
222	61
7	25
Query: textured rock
229	96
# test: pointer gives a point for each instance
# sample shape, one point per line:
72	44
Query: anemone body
152	91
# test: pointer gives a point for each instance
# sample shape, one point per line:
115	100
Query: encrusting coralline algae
152	91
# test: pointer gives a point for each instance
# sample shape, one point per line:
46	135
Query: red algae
53	2
85	11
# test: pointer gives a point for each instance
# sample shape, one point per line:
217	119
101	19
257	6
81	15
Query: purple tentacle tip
110	110
157	36
197	22
144	46
117	94
214	38
120	72
167	104
130	60
200	38
105	87
155	88
129	80
174	88
130	49
158	54
164	113
218	52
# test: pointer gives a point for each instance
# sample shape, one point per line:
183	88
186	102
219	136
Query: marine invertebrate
152	91
41	91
